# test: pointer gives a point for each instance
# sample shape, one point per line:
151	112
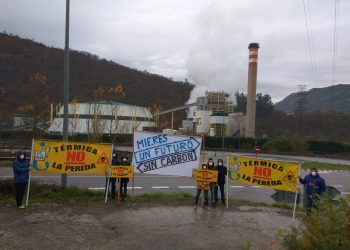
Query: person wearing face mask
213	185
112	181
222	172
21	168
315	186
124	181
202	185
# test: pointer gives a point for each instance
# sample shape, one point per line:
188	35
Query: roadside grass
156	197
324	166
44	193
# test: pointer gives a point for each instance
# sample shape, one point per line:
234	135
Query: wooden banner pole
133	188
30	172
296	194
106	190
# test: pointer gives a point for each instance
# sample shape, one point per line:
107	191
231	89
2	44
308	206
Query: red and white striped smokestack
251	96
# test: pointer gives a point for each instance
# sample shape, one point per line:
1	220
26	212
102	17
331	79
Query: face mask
220	164
123	159
21	157
114	155
210	164
313	173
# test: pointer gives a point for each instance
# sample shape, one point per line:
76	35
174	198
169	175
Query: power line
307	16
335	39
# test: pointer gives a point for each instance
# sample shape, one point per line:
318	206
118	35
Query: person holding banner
112	181
315	186
205	187
222	172
124	181
213	185
21	168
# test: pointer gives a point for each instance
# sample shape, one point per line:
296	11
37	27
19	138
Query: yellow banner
204	175
203	185
265	173
121	172
70	157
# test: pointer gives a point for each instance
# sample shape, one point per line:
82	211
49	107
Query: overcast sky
205	41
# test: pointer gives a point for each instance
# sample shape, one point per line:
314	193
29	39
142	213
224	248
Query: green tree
264	105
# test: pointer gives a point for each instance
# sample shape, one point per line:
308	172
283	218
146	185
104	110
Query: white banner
165	154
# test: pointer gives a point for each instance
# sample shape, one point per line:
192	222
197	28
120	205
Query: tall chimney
251	98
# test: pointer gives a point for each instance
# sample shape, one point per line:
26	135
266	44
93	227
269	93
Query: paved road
151	183
296	158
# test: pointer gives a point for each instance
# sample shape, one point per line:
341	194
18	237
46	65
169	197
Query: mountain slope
20	59
333	98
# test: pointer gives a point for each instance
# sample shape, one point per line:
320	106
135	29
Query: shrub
284	144
246	143
326	228
330	147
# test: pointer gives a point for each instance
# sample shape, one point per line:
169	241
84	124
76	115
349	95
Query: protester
222	172
124	181
315	186
112	181
205	187
21	168
213	185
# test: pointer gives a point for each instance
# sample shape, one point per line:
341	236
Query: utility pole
301	101
66	87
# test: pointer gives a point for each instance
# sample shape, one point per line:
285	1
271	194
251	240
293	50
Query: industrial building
213	115
103	117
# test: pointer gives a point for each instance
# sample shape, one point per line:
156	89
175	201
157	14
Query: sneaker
21	206
195	207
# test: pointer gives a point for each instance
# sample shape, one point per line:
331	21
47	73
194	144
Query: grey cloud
203	40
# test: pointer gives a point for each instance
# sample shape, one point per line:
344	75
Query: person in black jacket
124	181
222	172
112	181
21	168
213	185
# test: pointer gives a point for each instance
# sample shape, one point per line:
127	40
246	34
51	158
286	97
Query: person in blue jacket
21	168
315	186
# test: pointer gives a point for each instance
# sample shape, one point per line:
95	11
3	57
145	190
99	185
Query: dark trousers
112	183
222	193
199	191
311	203
213	194
123	188
20	187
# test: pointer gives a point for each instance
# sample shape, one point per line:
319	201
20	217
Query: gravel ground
140	226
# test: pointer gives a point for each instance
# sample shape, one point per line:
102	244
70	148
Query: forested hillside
333	98
31	77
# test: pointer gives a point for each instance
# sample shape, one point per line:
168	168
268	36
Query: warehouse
103	117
